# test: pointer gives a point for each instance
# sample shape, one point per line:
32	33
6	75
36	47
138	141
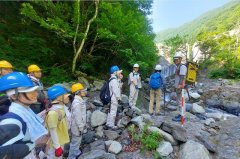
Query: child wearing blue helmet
115	92
56	121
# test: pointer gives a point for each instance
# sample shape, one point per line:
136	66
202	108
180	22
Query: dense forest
66	38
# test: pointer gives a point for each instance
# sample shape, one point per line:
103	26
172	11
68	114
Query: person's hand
58	152
180	86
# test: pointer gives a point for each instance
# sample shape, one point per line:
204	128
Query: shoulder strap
60	117
17	117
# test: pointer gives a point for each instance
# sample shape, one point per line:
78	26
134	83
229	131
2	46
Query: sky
173	13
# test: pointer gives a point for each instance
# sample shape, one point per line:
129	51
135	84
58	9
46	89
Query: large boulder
138	121
165	148
197	109
98	118
178	132
193	150
165	135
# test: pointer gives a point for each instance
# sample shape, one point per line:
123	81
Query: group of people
28	114
22	97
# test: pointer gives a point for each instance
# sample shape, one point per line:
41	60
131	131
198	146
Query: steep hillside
219	20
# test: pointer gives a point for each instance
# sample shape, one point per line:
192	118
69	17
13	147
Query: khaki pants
154	93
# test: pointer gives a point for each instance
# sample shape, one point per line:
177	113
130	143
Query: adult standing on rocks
78	122
134	81
35	74
157	81
115	93
180	74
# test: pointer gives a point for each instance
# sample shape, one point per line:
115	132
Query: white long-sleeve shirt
115	89
78	115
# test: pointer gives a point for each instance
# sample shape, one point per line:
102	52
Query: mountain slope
220	19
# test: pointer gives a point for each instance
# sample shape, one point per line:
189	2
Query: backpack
105	96
155	80
5	114
17	117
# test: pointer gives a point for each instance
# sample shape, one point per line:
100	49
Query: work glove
136	87
58	152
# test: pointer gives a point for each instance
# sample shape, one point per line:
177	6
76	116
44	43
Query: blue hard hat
55	91
114	69
14	80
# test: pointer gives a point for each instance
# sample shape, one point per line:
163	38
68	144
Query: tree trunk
79	50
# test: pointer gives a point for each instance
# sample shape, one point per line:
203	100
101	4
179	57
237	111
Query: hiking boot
177	118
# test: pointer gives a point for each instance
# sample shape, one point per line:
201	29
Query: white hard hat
158	67
22	90
136	65
178	55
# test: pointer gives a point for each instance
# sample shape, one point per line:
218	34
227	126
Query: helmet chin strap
18	99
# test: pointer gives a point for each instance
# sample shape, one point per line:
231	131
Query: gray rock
115	147
200	91
99	131
197	109
108	143
125	120
217	116
111	135
195	95
188	107
84	81
97	154
88	137
213	102
138	121
98	118
172	108
129	113
209	121
207	143
89	114
98	145
124	99
98	84
137	110
147	118
97	103
193	150
165	135
179	133
165	148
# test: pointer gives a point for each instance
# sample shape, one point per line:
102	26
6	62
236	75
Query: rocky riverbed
208	132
